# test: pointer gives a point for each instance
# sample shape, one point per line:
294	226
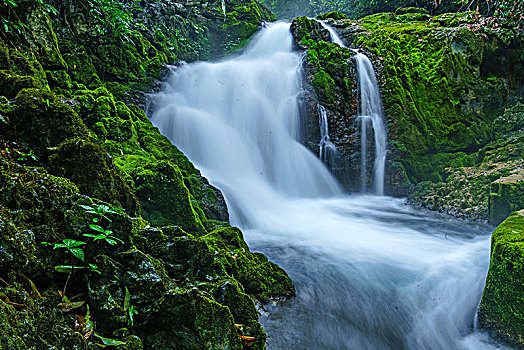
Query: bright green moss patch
261	278
506	196
502	308
165	198
333	15
92	170
434	89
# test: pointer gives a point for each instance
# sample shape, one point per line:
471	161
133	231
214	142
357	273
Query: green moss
501	309
329	65
262	279
190	320
435	90
164	197
408	10
333	15
40	119
10	85
92	170
506	196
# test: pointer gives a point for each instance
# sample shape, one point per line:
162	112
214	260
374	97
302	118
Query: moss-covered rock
165	198
261	278
92	170
333	15
450	89
506	195
41	120
502	306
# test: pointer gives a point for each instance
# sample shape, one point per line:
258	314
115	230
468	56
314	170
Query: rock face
330	80
82	168
452	91
501	309
506	195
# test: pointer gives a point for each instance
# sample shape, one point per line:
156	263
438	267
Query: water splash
327	148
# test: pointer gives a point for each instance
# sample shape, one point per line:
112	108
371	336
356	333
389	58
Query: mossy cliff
501	311
166	271
330	79
452	90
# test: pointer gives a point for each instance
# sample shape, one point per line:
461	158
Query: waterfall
224	9
371	272
371	110
238	121
327	148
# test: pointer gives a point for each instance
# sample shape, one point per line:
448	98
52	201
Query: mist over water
370	272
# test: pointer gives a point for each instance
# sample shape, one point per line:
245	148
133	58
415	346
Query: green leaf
70	243
90	325
109	341
132	311
78	252
110	241
94	268
126	299
97	228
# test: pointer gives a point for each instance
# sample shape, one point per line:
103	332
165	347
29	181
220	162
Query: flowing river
370	271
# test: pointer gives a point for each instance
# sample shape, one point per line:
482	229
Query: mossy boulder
36	324
10	85
33	207
92	170
260	277
39	119
165	200
336	15
501	311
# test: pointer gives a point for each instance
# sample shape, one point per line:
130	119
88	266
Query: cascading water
327	148
371	109
224	9
370	272
237	120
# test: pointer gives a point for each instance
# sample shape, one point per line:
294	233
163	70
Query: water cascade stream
370	272
223	4
327	148
370	110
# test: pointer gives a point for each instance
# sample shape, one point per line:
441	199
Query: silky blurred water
370	271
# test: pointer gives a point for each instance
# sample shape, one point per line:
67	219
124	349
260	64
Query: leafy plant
101	210
106	235
129	309
72	246
23	157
